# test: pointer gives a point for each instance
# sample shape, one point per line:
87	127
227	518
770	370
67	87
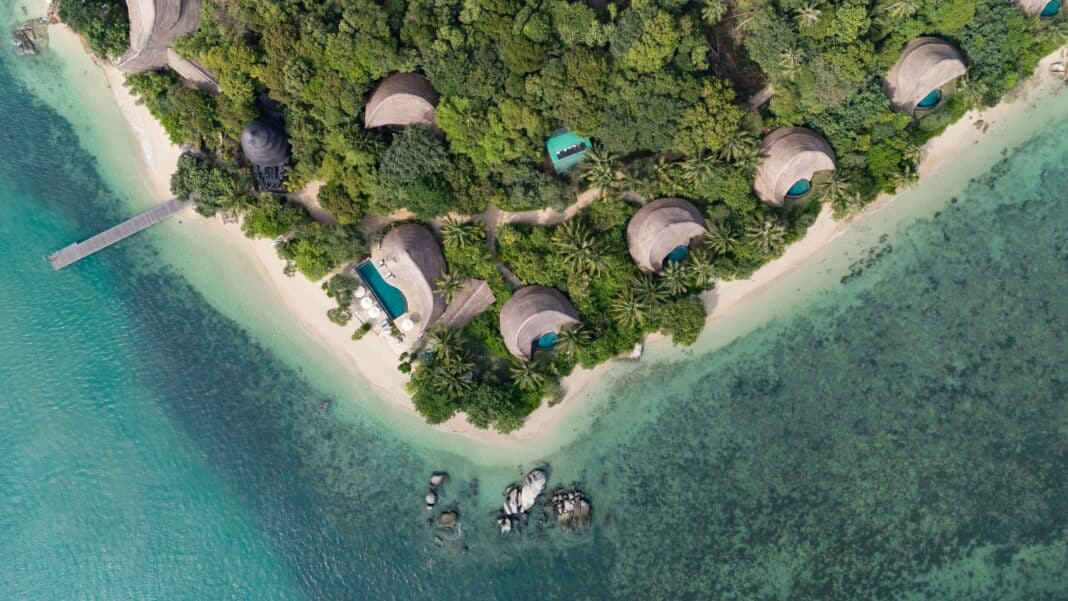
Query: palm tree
808	15
697	169
527	376
834	189
570	338
647	290
720	239
629	310
766	236
973	93
899	9
914	153
739	146
579	248
845	204
700	268
458	234
599	171
452	374
675	279
713	11
449	286
445	344
906	178
790	61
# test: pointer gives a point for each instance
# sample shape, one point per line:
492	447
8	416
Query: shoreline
374	361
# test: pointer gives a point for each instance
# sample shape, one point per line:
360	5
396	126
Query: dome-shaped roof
926	64
790	154
659	227
1039	7
412	255
154	26
400	100
532	312
264	145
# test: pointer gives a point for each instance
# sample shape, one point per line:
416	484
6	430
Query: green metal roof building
566	149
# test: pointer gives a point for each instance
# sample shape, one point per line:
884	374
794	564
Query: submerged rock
431	499
438	478
448	518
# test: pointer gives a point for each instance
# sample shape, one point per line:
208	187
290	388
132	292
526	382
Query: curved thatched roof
926	64
413	257
401	99
264	145
1033	7
659	227
532	312
154	25
790	154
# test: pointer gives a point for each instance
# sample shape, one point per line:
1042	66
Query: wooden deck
79	250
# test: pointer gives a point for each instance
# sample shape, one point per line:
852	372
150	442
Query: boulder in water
448	518
431	499
513	501
533	484
438	478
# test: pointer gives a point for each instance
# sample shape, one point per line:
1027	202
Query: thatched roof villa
661	231
532	319
154	26
263	145
920	78
400	100
407	262
792	156
1042	8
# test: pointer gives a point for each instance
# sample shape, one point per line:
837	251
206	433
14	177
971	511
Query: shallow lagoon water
896	430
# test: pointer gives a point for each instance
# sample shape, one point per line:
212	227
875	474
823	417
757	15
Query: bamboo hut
532	319
411	260
661	231
920	78
792	156
400	100
154	26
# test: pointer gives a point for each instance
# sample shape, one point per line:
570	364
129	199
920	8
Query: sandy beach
375	361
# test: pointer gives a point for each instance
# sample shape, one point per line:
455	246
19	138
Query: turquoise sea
892	424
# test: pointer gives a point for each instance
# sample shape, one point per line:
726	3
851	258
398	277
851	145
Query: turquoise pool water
677	254
392	300
1051	9
930	100
546	342
800	188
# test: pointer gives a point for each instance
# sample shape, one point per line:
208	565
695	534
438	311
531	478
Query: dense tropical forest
659	85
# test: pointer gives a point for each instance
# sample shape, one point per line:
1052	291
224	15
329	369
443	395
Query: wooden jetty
79	250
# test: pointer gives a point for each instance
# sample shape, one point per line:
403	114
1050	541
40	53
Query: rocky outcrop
571	508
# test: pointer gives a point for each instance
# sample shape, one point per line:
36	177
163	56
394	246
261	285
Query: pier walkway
79	250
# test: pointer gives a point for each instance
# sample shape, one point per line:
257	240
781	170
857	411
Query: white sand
372	358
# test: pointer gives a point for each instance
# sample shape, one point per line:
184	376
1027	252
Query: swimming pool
930	100
546	342
1051	9
391	299
800	188
677	254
